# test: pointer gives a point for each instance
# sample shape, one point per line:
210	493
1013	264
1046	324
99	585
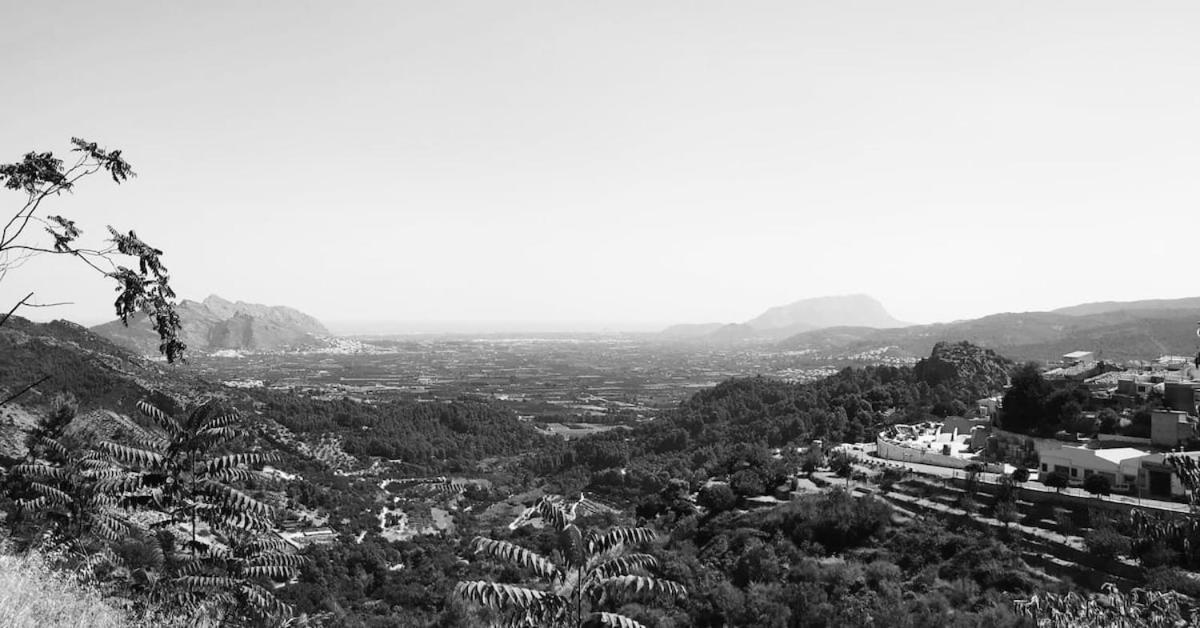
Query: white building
1079	357
1120	464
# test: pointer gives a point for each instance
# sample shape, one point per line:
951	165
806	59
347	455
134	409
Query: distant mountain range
857	327
215	324
779	322
1116	331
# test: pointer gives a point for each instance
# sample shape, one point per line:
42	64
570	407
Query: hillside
216	324
1042	336
83	363
1103	307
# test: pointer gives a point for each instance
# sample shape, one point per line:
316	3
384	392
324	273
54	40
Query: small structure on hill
1079	357
954	442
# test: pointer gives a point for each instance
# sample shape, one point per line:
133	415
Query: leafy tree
1057	480
144	288
1025	401
1020	475
593	571
717	497
67	485
1006	512
841	463
747	483
1109	420
1097	484
186	475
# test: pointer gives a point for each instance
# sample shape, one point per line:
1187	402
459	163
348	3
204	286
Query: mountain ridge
782	321
218	324
1040	336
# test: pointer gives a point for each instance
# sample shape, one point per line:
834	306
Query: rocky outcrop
215	324
963	362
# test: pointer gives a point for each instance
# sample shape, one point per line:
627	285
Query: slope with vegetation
1042	336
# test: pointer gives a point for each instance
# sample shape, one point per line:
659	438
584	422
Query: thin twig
24	390
14	309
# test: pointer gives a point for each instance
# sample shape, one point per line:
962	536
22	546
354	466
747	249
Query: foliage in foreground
594	571
33	592
1139	607
143	289
203	547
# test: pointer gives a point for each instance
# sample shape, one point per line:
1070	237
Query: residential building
1121	465
1079	357
1171	428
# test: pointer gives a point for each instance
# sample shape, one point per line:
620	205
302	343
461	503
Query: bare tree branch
24	390
14	309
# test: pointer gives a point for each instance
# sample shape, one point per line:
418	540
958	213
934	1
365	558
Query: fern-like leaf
218	422
40	470
501	596
53	495
630	585
271	571
516	555
132	455
625	565
168	424
234	499
613	620
601	543
278	560
235	460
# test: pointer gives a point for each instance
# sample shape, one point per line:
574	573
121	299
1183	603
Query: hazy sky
621	162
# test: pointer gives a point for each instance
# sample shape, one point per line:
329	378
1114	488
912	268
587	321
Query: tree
747	483
1024	406
841	463
1006	512
1097	484
142	287
63	483
186	475
717	497
1109	420
1019	476
593	571
1057	480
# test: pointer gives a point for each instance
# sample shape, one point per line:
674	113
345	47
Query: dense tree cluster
438	436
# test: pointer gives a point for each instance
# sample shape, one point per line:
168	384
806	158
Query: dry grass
35	595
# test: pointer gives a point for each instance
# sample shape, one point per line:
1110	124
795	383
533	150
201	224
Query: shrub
717	497
1020	475
1105	542
1057	480
1097	484
34	593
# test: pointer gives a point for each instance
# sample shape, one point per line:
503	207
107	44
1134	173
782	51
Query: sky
619	164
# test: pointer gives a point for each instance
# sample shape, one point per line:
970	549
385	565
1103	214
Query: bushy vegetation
688	481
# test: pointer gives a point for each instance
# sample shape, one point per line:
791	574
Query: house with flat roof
1121	465
1079	357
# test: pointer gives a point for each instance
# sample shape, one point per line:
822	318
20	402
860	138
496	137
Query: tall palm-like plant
65	484
595	569
185	473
